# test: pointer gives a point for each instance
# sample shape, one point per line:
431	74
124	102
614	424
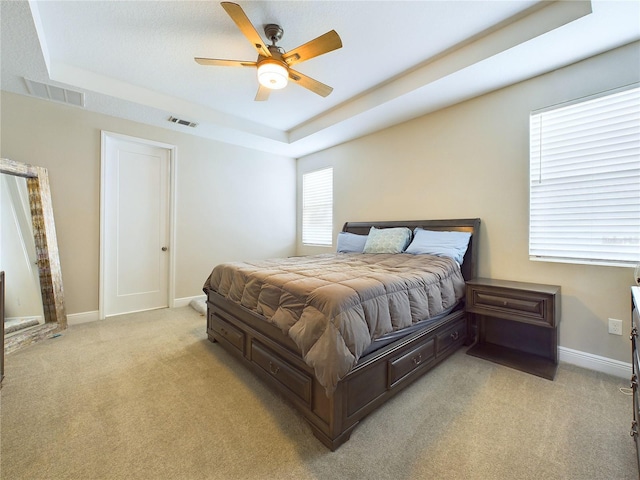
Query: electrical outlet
615	326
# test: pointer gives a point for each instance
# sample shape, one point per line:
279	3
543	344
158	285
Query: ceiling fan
273	63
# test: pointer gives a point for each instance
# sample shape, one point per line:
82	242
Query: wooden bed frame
377	377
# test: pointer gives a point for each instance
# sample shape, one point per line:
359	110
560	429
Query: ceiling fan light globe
272	75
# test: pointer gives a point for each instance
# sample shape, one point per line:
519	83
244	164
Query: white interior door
135	225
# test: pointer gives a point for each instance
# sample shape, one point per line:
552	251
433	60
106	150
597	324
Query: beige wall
231	202
471	160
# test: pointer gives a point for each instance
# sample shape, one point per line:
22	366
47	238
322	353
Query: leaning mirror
46	254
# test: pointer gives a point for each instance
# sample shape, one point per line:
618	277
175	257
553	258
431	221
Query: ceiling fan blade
318	46
310	84
224	63
263	94
246	27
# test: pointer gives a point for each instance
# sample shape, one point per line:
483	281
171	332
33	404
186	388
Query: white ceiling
400	60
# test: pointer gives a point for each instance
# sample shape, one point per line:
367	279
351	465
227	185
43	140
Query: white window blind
317	207
585	181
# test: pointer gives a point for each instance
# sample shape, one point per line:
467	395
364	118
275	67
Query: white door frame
172	210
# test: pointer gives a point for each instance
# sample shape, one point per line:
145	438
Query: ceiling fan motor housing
273	32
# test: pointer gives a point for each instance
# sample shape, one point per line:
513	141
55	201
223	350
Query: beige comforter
334	305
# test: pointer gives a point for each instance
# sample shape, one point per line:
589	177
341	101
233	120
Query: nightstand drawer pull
634	333
634	381
417	359
274	369
455	335
634	429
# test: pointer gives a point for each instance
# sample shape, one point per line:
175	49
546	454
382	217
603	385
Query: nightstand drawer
531	309
512	304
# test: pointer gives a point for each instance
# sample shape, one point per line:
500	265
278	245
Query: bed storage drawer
403	365
224	330
454	335
291	378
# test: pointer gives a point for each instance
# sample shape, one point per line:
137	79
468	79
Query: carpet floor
147	396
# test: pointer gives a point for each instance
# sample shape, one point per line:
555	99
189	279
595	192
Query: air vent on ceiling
180	121
57	94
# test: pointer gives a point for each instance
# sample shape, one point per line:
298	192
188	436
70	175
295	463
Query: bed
335	393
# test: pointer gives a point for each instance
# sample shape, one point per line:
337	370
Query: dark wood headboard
472	225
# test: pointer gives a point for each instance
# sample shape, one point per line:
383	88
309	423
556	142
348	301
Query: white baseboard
78	318
595	362
84	317
184	302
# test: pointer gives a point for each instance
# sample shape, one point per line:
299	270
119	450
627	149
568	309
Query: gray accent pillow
350	242
387	240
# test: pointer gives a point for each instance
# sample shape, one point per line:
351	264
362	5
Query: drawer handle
455	335
223	332
274	369
417	359
634	429
634	333
634	381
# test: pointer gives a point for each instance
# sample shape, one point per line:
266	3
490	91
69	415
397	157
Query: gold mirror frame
48	259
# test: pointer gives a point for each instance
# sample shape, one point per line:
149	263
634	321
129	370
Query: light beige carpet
147	396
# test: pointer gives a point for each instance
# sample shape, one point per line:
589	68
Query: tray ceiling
399	59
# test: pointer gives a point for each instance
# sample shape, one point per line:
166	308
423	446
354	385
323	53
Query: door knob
164	249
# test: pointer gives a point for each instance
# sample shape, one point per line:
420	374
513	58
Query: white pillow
442	244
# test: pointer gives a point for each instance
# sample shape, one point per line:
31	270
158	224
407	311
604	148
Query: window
317	207
585	181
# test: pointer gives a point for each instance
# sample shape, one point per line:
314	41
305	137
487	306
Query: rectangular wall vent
180	121
56	94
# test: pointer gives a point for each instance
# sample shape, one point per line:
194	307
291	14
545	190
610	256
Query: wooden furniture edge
635	368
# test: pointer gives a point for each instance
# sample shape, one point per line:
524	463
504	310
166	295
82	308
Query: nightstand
517	324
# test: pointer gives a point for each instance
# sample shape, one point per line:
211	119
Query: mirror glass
29	255
23	306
